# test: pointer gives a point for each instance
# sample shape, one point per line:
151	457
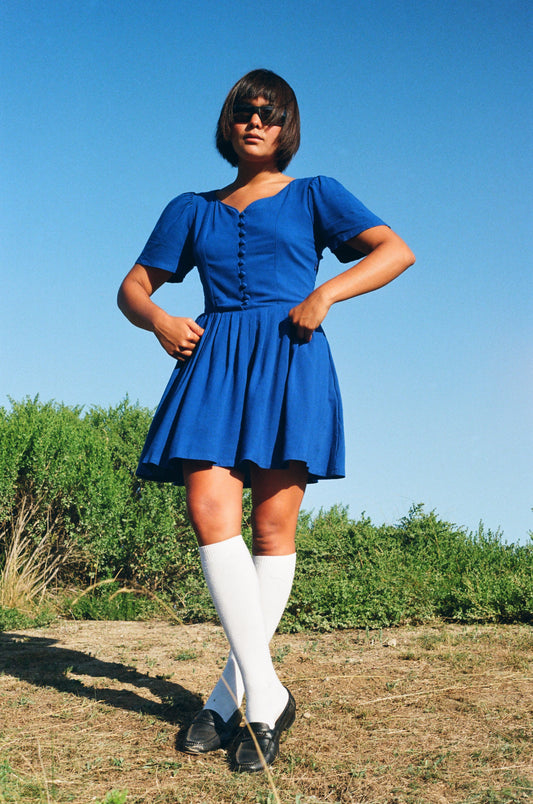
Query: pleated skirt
251	393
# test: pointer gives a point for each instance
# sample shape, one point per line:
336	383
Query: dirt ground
437	714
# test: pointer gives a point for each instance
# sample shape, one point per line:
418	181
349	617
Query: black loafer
209	731
247	758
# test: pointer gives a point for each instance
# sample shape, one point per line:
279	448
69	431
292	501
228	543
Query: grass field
440	714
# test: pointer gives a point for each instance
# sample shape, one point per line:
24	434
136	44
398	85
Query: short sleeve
338	216
169	247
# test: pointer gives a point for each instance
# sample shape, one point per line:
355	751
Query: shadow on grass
41	662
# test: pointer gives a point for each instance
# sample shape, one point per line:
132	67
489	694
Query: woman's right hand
178	336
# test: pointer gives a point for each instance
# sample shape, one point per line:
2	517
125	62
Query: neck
250	173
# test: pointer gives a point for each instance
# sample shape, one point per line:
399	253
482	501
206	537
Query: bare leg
277	495
214	501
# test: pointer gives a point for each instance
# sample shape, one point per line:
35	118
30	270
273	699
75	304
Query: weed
16	787
114	797
280	653
429	641
106	600
186	656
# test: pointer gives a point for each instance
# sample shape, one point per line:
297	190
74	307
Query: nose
255	121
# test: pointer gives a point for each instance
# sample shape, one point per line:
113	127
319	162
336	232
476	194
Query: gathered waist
252	308
265	318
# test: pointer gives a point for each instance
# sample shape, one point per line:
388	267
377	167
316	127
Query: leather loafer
209	731
247	758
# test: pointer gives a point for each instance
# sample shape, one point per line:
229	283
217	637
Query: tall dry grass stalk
266	768
30	567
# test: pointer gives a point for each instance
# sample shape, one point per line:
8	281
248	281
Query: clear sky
421	109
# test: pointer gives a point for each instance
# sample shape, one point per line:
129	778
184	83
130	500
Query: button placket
245	296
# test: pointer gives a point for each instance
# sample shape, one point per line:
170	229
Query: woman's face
255	141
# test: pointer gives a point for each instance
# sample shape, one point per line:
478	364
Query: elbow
123	297
404	255
409	257
120	298
400	252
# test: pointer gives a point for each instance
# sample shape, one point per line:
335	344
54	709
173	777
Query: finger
182	352
188	342
303	334
196	328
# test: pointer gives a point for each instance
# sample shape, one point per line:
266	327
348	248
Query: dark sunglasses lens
269	115
240	114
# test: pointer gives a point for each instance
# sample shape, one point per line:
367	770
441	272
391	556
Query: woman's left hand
309	314
387	256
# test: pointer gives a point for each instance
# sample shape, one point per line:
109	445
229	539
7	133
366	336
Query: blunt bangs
276	91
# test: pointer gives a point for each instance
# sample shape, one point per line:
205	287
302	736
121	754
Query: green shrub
78	471
111	601
354	574
14	620
75	472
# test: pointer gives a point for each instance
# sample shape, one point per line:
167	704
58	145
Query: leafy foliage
75	471
79	471
354	574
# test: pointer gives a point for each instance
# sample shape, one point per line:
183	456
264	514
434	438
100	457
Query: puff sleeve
338	216
170	246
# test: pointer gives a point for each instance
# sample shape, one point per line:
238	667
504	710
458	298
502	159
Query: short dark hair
261	84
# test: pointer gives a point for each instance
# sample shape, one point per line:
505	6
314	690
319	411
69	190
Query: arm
177	336
387	257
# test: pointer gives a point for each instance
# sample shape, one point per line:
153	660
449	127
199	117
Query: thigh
214	500
277	495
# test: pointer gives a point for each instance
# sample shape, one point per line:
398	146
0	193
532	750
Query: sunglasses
269	115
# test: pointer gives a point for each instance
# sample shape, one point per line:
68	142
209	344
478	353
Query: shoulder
326	185
315	183
180	203
315	189
190	200
323	189
325	194
178	212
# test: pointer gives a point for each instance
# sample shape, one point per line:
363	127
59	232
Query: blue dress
252	392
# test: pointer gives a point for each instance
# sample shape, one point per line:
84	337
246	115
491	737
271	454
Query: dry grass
30	566
437	714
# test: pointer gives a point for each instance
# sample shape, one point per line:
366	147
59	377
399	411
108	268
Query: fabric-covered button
241	252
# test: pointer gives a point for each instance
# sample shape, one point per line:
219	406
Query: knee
212	517
272	535
203	507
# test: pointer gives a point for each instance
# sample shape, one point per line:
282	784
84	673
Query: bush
353	574
78	472
75	472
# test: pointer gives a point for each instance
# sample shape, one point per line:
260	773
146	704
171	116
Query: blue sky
420	108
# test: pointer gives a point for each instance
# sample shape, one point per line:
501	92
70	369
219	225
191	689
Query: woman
253	399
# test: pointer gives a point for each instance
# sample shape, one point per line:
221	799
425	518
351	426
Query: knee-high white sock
232	581
275	575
